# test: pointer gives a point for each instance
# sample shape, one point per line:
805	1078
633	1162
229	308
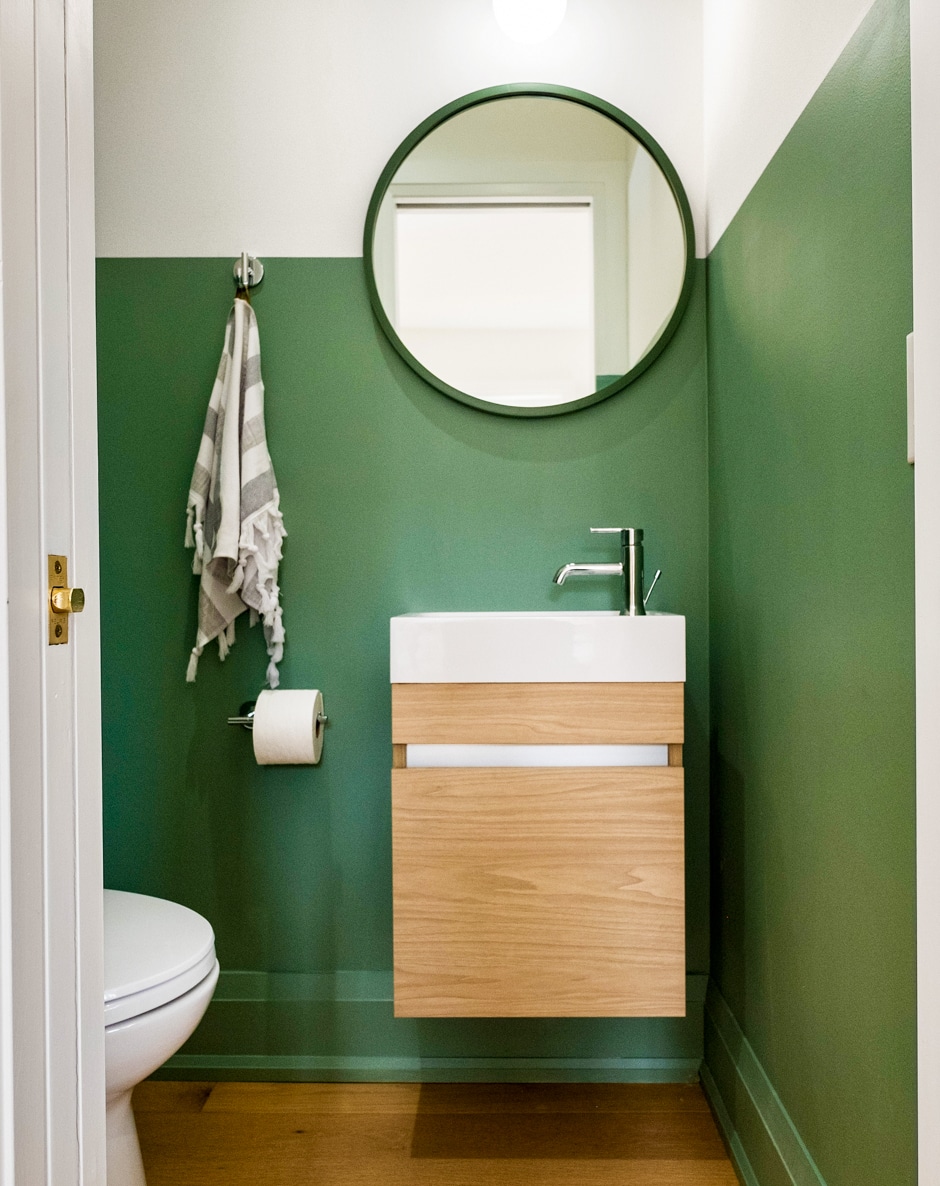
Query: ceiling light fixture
529	21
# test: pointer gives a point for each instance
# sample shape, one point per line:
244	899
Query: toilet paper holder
246	716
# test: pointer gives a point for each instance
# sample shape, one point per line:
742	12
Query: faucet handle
607	530
649	591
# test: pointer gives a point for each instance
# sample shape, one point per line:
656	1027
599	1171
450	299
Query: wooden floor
402	1134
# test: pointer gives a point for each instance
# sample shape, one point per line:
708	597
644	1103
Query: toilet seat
155	951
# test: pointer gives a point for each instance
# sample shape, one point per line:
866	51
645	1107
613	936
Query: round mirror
529	250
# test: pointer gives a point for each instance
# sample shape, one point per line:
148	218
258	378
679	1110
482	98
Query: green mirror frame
539	90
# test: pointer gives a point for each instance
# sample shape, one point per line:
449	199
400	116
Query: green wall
812	629
395	499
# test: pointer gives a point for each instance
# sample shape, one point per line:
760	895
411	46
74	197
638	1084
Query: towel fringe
273	674
260	548
193	664
226	640
199	542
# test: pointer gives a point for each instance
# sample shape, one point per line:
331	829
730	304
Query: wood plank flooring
438	1134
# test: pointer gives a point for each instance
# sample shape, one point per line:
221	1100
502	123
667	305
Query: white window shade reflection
497	297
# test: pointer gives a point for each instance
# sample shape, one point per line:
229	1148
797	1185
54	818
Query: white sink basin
575	647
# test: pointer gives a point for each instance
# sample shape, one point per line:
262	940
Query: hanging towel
232	516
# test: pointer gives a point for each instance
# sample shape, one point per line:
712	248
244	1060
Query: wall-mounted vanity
537	814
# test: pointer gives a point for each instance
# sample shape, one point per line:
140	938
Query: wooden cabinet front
537	891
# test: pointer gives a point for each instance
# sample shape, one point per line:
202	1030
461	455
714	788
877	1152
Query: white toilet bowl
160	973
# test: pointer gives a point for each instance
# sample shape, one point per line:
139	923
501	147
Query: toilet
160	972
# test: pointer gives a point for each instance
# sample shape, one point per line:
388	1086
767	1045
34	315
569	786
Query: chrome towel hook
248	271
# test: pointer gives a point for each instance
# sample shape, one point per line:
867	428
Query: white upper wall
264	124
764	60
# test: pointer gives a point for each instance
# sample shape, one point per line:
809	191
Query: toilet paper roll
287	730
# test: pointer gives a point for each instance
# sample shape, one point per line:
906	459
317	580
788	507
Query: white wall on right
763	62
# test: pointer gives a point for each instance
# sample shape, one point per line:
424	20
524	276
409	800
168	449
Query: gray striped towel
232	515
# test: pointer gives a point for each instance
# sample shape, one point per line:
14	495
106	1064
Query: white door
51	988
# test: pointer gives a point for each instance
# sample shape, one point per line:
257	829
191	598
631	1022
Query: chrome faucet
630	569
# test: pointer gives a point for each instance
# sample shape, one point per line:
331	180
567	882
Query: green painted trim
300	1069
347	985
550	91
733	1142
753	1085
345	1020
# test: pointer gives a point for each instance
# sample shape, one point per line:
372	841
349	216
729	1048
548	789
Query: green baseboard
736	1150
336	1069
341	1027
763	1141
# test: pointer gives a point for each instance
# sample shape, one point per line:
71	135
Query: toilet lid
151	943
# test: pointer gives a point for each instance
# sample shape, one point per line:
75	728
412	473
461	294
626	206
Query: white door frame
925	94
7	1142
51	966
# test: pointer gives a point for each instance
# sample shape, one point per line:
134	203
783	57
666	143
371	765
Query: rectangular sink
546	647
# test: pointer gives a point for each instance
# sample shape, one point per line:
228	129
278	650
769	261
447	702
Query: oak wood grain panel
228	1166
438	1098
637	1138
582	1135
171	1095
538	892
467	1135
537	714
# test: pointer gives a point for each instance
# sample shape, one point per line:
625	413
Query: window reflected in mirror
498	297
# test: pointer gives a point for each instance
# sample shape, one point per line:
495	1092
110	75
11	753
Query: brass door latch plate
63	601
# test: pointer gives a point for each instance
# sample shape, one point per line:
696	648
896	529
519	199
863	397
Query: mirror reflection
529	251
